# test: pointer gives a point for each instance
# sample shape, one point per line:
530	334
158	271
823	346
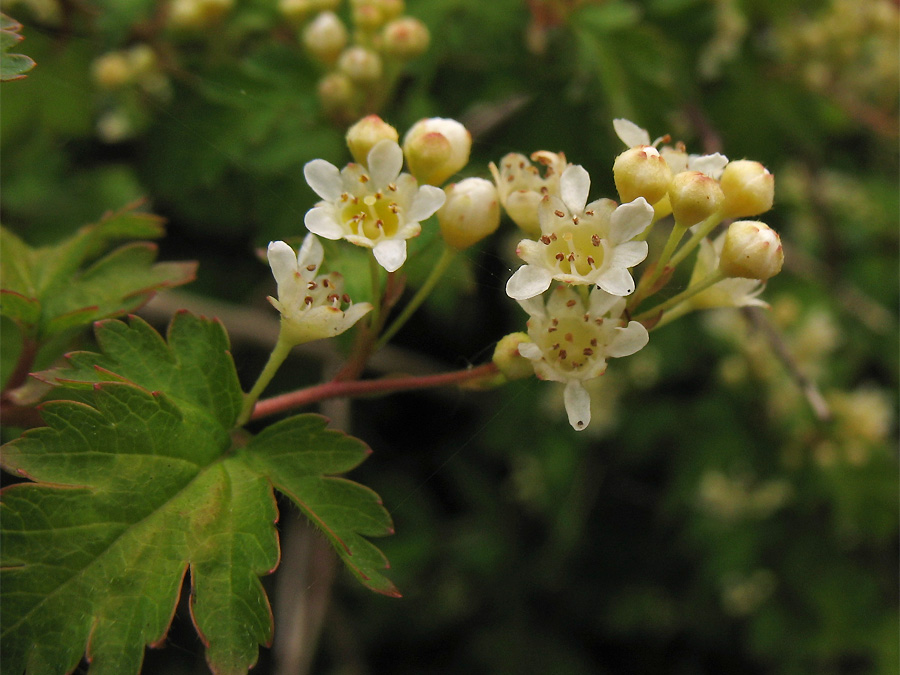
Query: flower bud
361	65
513	365
363	136
367	16
197	14
641	172
749	189
392	8
752	250
326	5
112	70
325	37
296	11
471	212
405	38
336	92
694	197
436	148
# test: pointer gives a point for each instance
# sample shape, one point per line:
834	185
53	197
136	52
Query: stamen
392	187
562	354
570	303
575	219
587	351
570	337
364	178
595	239
345	298
559	214
593	342
312	285
589	213
545	240
308	300
560	257
590	261
310	268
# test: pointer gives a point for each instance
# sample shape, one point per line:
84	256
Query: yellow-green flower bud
296	11
325	37
361	65
337	92
749	189
436	148
405	38
694	197
197	14
368	17
752	250
471	212
641	172
363	136
112	70
391	9
509	361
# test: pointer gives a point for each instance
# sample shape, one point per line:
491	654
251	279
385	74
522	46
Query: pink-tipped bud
749	189
471	212
405	38
641	172
752	250
694	197
436	148
363	136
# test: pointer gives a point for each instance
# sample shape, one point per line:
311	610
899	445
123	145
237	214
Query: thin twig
810	389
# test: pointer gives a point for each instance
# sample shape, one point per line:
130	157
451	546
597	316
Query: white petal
712	165
282	261
320	221
601	302
630	133
390	254
616	281
578	405
528	281
354	313
310	255
385	161
531	252
426	202
534	306
629	220
628	254
574	186
324	178
530	351
628	340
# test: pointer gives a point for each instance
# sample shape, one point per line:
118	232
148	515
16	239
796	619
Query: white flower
582	244
522	187
571	343
633	136
728	292
379	208
310	305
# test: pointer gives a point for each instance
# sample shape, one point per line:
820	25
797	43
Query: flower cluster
361	61
589	249
576	283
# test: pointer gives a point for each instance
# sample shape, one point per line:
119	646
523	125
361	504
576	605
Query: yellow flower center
572	342
573	250
373	216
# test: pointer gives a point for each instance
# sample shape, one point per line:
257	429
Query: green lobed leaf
343	510
49	290
138	480
12	66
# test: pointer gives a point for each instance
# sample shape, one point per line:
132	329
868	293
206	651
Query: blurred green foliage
709	521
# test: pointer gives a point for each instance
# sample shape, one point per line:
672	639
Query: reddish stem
339	389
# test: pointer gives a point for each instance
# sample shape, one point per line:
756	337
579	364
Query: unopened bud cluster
125	78
361	58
